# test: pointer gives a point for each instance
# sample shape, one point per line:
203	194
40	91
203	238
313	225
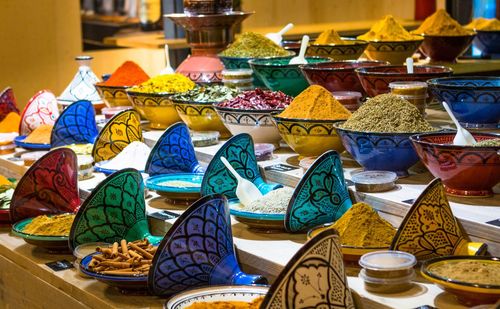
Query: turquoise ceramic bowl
53	243
277	74
179	193
259	221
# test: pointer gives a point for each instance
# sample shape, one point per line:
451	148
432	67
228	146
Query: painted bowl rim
471	34
440	83
247	111
291	53
100	85
322	121
155	94
441	280
168	189
316	66
196	103
417	37
416	139
407	134
366	71
256	62
357	42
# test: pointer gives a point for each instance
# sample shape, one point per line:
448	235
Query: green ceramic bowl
52	243
277	74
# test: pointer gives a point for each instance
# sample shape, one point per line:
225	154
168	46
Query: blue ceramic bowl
475	100
176	193
277	74
380	151
258	221
488	42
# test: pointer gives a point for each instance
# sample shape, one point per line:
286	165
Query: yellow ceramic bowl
201	117
469	294
352	49
113	95
155	107
394	52
308	137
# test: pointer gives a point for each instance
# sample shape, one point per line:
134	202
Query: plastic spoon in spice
300	59
277	37
463	137
409	65
168	69
246	191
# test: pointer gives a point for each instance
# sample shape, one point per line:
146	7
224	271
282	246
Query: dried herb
258	99
253	45
215	93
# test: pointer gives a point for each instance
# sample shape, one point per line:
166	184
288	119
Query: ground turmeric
387	29
329	36
58	225
316	103
10	123
440	23
484	24
40	135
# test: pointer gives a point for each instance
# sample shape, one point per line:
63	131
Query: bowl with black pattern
394	52
349	49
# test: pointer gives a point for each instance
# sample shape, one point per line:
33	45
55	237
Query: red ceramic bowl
376	80
464	170
445	48
337	75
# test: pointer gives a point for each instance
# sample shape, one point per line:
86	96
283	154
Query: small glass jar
412	91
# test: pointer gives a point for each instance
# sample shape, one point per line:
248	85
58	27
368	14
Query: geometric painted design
198	251
114	210
314	278
8	103
239	151
48	187
121	130
41	109
429	229
320	197
173	153
75	125
350	51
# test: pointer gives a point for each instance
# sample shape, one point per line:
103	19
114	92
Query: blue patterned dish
475	101
259	221
75	125
176	193
19	141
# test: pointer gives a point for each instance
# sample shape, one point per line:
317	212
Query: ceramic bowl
445	48
156	107
291	45
176	194
257	221
469	294
257	123
350	50
376	80
308	137
488	42
380	151
113	95
277	74
52	243
459	166
475	101
393	52
337	75
201	117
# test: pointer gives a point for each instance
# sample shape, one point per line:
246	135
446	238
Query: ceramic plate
255	220
19	141
216	293
56	243
105	171
176	193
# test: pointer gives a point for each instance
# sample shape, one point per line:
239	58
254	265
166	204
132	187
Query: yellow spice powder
329	36
40	135
484	24
59	225
441	23
387	29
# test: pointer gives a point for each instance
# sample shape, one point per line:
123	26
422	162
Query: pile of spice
362	226
316	103
470	271
58	225
258	99
253	45
124	259
128	74
494	142
329	36
255	304
387	113
10	123
274	202
441	23
484	24
40	135
135	155
168	83
387	29
206	94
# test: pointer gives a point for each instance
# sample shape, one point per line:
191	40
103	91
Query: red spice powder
128	74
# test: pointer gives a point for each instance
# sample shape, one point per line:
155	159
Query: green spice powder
254	45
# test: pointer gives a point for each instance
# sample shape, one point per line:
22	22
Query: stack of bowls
351	49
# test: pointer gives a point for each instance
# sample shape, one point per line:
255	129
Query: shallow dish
53	243
176	193
469	294
216	293
19	141
258	221
121	282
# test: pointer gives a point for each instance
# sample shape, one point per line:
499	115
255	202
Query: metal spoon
277	37
168	69
463	137
300	59
246	191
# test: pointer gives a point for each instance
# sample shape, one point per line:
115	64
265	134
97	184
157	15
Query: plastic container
83	250
240	74
306	163
374	181
205	138
85	166
350	99
264	152
239	84
414	92
387	271
30	157
109	112
7	148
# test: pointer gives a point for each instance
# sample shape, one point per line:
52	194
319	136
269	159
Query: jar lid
238	72
347	95
374	181
387	260
83	250
262	149
397	280
407	85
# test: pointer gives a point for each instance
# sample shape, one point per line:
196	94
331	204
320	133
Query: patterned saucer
19	141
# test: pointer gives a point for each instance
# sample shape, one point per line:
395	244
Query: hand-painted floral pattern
41	109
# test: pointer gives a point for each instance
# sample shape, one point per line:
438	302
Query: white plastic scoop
246	191
409	65
277	37
168	69
463	137
300	59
